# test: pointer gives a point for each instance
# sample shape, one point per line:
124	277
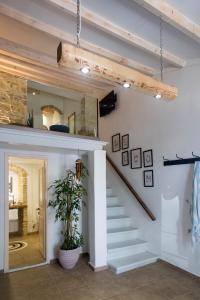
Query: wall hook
165	159
178	157
195	155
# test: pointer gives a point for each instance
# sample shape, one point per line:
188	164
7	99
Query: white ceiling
54	91
26	160
126	14
190	8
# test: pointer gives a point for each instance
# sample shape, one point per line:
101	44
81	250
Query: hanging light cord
161	49
78	31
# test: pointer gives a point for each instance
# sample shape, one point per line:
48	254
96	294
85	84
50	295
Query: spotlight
85	70
158	96
34	93
126	85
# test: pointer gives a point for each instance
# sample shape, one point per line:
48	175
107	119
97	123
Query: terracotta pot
68	258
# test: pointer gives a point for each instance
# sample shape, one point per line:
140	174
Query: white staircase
126	251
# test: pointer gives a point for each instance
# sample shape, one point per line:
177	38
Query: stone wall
13	99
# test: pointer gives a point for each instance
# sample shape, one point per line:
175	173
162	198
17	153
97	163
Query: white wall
167	127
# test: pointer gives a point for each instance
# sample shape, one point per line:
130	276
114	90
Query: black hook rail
180	160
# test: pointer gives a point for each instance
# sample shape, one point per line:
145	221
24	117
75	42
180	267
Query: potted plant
68	193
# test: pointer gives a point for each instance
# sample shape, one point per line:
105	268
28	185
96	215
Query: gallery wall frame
125	158
148	177
136	158
116	142
125	141
148	158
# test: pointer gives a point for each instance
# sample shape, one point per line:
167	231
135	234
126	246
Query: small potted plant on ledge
67	197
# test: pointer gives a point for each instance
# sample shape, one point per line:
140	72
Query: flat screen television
107	104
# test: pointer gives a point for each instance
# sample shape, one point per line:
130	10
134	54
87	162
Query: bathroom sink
17	205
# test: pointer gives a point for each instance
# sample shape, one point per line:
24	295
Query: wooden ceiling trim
172	16
133	39
63	36
26	54
44	75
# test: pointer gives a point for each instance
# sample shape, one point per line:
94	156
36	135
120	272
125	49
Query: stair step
118	217
118	221
108	191
122	234
115	210
121	229
112	200
126	248
128	263
114	205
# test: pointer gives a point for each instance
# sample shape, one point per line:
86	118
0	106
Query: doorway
26	212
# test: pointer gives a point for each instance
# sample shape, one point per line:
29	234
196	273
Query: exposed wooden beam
64	36
75	58
117	31
172	16
49	75
26	54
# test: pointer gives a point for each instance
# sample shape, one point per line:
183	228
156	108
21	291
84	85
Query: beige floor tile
28	256
153	282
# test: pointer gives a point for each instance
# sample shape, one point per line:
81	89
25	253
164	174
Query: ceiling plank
74	58
172	16
45	75
26	54
64	36
99	22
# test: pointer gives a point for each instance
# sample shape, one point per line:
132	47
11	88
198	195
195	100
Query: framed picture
125	141
148	178
148	158
125	158
136	158
72	123
116	145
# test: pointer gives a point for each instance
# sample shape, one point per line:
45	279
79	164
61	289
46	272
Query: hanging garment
196	204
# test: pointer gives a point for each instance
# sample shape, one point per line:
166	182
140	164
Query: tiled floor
154	282
28	256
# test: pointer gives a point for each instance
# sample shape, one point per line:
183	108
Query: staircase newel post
97	209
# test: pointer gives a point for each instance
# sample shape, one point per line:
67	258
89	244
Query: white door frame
21	154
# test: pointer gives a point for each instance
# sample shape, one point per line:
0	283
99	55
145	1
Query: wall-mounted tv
107	104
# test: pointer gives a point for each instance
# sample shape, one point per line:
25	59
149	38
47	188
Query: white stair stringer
126	251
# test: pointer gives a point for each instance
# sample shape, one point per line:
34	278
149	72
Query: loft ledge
26	136
26	128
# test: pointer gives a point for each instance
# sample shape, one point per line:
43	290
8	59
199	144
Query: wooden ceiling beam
107	26
74	58
47	62
64	36
44	75
172	16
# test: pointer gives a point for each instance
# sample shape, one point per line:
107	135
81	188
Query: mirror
51	108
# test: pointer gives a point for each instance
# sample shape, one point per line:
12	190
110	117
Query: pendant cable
161	49
78	27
